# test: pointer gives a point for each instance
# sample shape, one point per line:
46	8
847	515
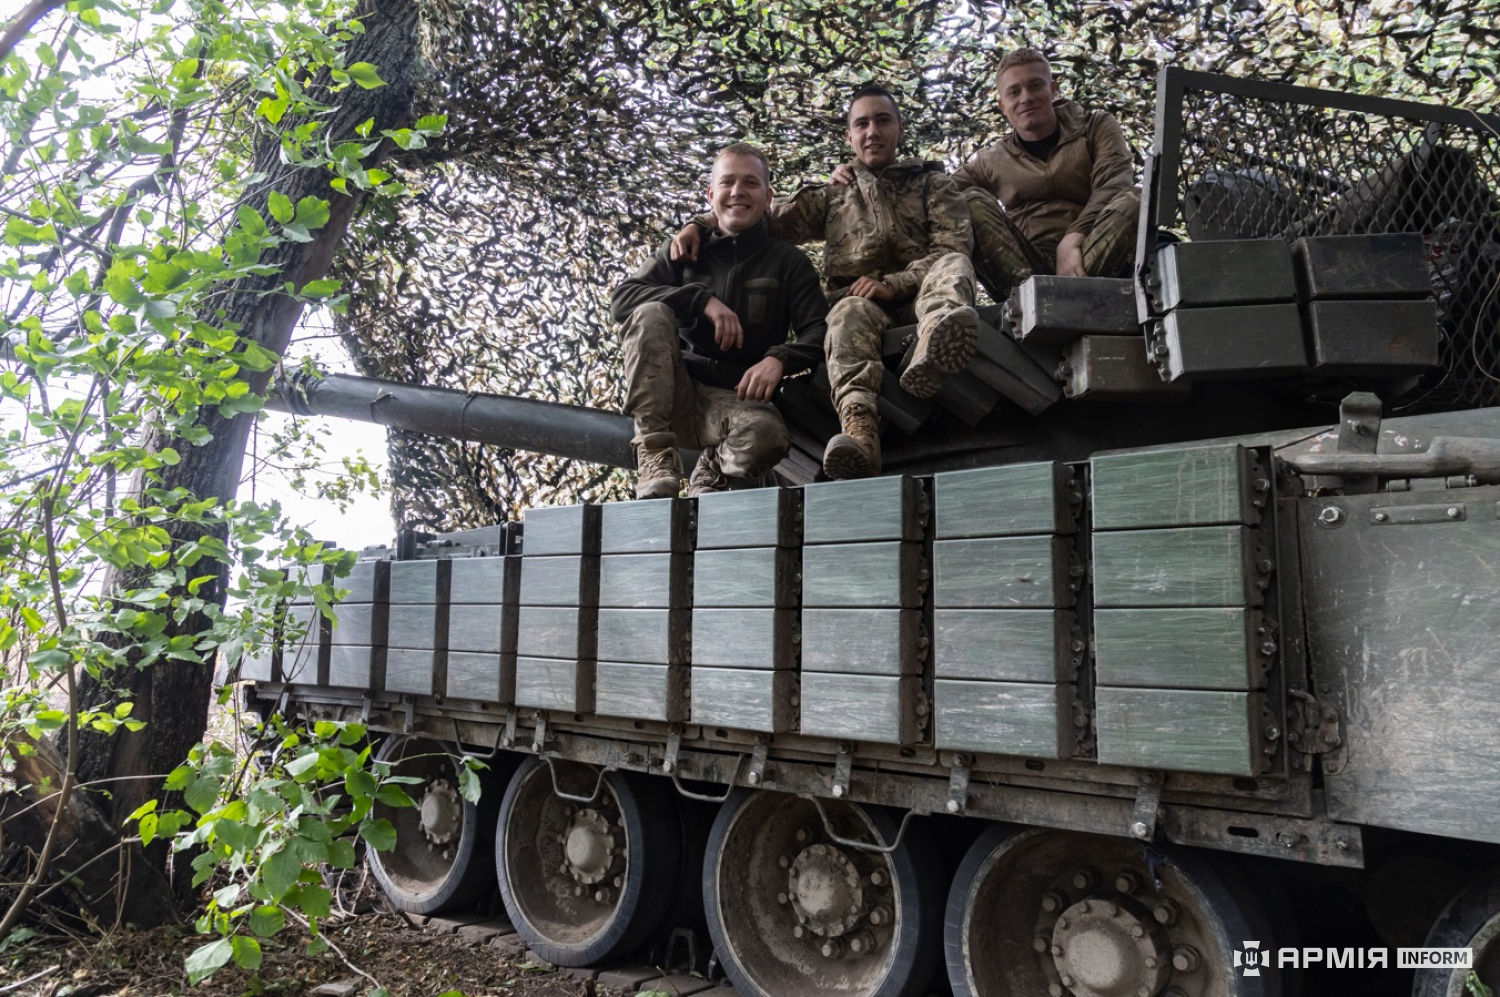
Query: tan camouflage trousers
670	409
1004	257
855	327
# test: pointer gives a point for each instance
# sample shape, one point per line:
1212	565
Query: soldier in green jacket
705	342
1066	178
897	250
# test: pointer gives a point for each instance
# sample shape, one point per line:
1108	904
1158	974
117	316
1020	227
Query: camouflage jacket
892	227
1090	166
770	286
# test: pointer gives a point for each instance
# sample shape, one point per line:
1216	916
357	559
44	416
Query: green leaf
316	901
280	872
246	952
303	766
265	921
365	75
379	834
341	854
312	212
321	288
205	960
281	207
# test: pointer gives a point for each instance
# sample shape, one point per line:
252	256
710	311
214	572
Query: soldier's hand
685	243
842	175
728	333
760	381
877	290
1070	256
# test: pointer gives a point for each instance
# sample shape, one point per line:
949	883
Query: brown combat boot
660	467
707	476
945	345
854	453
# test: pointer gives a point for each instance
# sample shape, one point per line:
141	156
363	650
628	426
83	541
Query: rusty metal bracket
958	785
458	746
364	710
862	846
539	736
1147	806
757	773
409	714
1315	731
843	771
571	797
674	745
508	734
734	777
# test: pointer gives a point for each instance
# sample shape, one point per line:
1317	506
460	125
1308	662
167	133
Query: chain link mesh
1254	167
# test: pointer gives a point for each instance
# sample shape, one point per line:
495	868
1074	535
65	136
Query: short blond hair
745	149
1022	57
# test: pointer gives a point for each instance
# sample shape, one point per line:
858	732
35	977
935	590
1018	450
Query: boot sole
658	488
842	461
947	349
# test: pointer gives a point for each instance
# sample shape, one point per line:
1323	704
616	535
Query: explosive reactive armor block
558	615
1182	645
1006	644
357	652
1053	311
1114	368
746	586
863	588
645	600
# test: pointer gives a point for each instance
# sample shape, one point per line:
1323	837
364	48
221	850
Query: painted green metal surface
885	574
555	684
555	632
746	638
1011	500
889	508
754	577
751	517
650	636
863	641
1004	718
645	581
745	698
1204	648
1003	573
1014	645
1197	486
565	580
489	678
644	527
567	529
477	628
641	691
880	708
1199	566
1180	730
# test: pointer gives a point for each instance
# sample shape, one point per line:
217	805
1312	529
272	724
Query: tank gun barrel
523	423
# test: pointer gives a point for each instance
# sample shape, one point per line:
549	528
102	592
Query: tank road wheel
793	912
442	859
1471	920
586	882
1034	912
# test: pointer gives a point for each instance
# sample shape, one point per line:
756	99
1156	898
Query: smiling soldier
1065	176
897	251
705	343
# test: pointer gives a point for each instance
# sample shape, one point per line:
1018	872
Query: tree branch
21	26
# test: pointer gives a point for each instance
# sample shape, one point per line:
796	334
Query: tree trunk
173	698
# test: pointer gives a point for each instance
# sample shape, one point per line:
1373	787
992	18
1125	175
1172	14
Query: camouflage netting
580	134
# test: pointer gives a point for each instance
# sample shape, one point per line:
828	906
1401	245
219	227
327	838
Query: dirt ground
406	960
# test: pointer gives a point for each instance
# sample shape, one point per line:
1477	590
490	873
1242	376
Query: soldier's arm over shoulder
802	217
1114	167
658	280
948	231
807	309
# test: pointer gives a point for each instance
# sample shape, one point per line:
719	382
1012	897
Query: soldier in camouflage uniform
897	250
705	343
1065	176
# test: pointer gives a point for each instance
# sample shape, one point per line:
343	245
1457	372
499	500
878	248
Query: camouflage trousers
856	325
670	409
1004	257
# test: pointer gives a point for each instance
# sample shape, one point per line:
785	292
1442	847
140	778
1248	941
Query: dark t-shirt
1042	148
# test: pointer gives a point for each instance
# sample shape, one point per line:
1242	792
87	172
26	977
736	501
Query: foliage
137	150
591	126
1476	987
268	821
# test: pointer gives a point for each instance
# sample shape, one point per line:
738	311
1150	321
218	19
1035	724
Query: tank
1161	660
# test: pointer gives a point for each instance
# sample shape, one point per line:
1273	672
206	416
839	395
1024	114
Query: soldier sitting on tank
706	343
1065	176
897	251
